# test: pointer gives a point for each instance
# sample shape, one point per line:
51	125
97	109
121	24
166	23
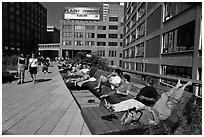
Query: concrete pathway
44	108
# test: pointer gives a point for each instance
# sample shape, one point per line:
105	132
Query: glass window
78	42
141	30
101	27
90	27
180	39
90	35
78	34
101	43
141	11
101	53
112	44
78	27
114	36
101	35
173	8
113	27
113	19
89	43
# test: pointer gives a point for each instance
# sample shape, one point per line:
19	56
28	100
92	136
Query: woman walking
33	64
21	68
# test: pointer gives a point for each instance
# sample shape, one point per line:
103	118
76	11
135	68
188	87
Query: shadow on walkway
42	80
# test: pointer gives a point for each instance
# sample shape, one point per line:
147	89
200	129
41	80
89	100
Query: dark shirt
21	60
149	92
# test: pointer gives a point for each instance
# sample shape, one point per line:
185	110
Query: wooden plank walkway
44	108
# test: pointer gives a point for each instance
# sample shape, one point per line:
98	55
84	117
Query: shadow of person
42	80
27	82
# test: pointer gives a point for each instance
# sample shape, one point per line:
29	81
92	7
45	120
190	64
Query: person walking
33	64
21	68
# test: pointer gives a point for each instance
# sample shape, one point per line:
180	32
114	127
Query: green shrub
192	123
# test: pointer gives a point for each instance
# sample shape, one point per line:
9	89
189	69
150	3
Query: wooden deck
44	108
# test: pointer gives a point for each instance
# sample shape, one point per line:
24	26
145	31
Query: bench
92	117
164	127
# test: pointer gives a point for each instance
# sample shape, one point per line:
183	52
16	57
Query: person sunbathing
151	115
115	95
113	80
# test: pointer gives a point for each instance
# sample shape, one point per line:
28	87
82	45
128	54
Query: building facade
53	35
103	37
23	27
163	38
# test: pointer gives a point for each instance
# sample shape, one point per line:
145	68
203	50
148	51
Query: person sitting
146	115
115	95
113	80
147	95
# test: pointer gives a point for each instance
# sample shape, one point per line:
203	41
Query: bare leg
99	83
187	84
34	79
178	85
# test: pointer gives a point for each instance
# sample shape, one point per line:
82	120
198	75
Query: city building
23	27
163	38
53	35
51	47
92	32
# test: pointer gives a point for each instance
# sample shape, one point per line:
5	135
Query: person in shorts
33	64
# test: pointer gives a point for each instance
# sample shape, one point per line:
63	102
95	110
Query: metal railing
196	83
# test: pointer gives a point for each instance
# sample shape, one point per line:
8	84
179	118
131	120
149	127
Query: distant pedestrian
33	64
21	68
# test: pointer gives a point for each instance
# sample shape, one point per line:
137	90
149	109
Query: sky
55	10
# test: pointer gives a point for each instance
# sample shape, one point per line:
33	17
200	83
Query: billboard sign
83	13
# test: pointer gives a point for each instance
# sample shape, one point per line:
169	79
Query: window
120	63
112	53
113	27
90	35
139	50
89	43
121	44
173	8
113	19
112	62
132	52
90	27
77	42
133	36
141	11
67	42
112	44
141	30
177	71
78	27
101	27
66	26
114	36
101	53
121	36
101	43
132	65
181	39
78	34
101	35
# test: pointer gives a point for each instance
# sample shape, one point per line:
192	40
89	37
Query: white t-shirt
34	62
115	80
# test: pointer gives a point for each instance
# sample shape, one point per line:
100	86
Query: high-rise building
53	35
24	26
163	38
89	32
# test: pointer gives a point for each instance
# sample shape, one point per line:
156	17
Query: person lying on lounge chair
150	115
113	80
116	94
